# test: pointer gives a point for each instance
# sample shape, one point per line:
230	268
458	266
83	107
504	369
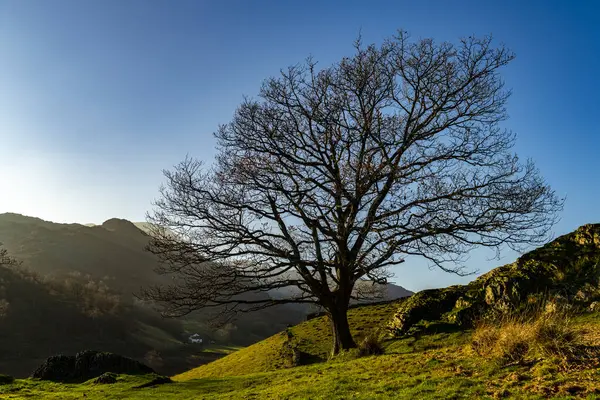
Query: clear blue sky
97	97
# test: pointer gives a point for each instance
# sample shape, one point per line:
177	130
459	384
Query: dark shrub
106	378
370	346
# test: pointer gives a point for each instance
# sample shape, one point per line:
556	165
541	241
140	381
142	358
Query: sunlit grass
312	337
438	363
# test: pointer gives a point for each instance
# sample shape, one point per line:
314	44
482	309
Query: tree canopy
333	175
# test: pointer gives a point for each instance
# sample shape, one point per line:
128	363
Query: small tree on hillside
334	175
6	260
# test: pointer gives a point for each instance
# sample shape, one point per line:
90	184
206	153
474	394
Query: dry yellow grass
516	339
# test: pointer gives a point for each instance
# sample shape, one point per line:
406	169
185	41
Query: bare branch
332	176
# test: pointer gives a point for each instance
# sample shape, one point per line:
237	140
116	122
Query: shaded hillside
564	270
105	264
114	251
43	318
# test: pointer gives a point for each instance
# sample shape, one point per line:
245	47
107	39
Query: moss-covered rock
86	365
425	305
463	313
568	267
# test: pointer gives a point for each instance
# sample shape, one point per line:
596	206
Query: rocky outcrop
568	267
428	305
87	365
106	378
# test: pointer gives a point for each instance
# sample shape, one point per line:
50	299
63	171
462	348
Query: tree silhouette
333	175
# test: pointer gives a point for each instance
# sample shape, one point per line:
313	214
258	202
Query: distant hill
396	292
113	252
62	260
376	292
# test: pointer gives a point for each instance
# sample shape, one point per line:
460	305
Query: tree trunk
342	338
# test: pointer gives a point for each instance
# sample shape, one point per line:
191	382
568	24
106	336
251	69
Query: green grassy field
312	337
439	364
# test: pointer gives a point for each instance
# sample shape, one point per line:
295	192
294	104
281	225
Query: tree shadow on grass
222	385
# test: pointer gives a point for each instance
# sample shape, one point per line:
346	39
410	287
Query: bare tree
334	175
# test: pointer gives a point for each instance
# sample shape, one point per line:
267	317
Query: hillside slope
44	318
86	276
113	252
436	365
571	261
437	361
312	337
566	270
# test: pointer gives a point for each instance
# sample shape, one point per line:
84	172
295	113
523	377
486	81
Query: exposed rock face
568	267
426	305
87	365
56	368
